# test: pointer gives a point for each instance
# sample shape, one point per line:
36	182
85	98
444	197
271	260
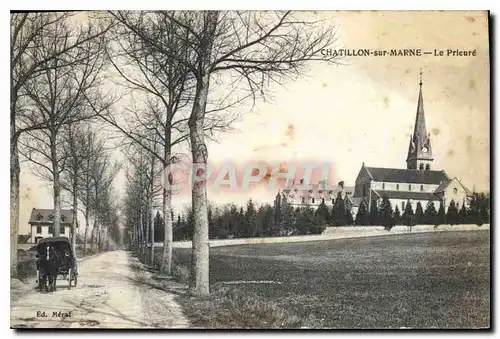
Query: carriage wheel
69	278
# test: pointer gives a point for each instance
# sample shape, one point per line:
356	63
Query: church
419	182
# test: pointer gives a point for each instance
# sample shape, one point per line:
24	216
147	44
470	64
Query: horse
49	266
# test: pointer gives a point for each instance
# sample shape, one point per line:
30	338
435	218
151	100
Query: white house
42	220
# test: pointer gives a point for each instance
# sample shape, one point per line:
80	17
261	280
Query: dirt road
114	291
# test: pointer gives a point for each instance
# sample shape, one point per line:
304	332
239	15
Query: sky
364	110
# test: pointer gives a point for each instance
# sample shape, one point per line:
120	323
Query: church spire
419	152
420	130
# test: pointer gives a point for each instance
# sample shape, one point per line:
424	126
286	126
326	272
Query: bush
317	229
26	268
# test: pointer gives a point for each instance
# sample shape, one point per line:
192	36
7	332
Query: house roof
46	216
407	195
319	190
407	176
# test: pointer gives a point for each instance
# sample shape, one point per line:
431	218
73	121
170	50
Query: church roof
406	195
445	184
356	201
442	187
407	176
420	130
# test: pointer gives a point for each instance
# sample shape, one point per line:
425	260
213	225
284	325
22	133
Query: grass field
428	280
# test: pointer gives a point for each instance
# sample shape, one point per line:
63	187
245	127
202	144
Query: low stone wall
340	232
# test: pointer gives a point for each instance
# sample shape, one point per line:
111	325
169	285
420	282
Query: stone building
298	197
418	182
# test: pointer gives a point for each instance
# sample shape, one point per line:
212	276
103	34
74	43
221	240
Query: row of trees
280	219
57	74
477	213
231	221
191	74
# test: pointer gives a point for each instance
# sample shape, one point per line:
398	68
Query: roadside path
114	291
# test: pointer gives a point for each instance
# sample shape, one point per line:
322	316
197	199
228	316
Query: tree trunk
141	236
147	233
14	200
75	220
152	236
56	185
199	284
104	239
166	258
93	235
86	232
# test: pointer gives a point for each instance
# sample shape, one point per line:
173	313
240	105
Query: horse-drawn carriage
55	258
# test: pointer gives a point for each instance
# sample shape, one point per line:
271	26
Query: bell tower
420	151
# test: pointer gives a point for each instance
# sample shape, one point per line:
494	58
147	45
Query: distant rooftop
46	216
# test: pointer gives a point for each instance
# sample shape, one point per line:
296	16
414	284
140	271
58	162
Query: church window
427	167
51	229
383	185
402	206
313	200
63	230
421	167
421	188
39	229
409	187
303	200
455	191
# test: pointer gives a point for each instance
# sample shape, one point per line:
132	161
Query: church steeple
419	151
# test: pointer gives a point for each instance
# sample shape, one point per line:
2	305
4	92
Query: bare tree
249	48
166	85
102	173
109	219
78	147
144	177
95	148
27	32
59	97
